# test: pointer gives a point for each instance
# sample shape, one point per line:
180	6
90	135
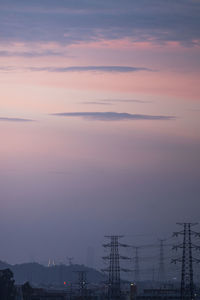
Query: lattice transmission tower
82	284
187	259
114	289
136	264
161	269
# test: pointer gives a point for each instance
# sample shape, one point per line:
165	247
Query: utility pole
161	269
114	288
187	284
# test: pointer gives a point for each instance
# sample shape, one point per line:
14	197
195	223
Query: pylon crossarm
176	247
104	270
124	257
187	224
107	245
124	245
106	257
177	233
196	247
196	234
196	260
175	260
126	270
146	246
114	236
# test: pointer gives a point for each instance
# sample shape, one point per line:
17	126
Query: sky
99	123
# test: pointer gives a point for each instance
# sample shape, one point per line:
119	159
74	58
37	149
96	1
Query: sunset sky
99	122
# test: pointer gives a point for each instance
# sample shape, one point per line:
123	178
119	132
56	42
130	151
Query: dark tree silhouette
27	291
7	287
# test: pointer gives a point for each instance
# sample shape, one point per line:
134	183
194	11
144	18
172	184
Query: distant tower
187	284
114	290
82	283
161	269
49	262
137	265
70	260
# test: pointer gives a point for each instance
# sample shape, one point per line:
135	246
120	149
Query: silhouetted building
26	292
162	293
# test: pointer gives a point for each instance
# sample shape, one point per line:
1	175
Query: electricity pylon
82	284
161	269
187	284
136	264
114	289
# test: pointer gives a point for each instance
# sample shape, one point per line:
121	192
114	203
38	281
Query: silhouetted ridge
38	274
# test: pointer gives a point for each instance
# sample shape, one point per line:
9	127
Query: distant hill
40	275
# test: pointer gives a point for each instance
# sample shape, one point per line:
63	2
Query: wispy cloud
7	68
124	101
113	101
96	103
112	116
101	69
118	69
29	54
5	119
